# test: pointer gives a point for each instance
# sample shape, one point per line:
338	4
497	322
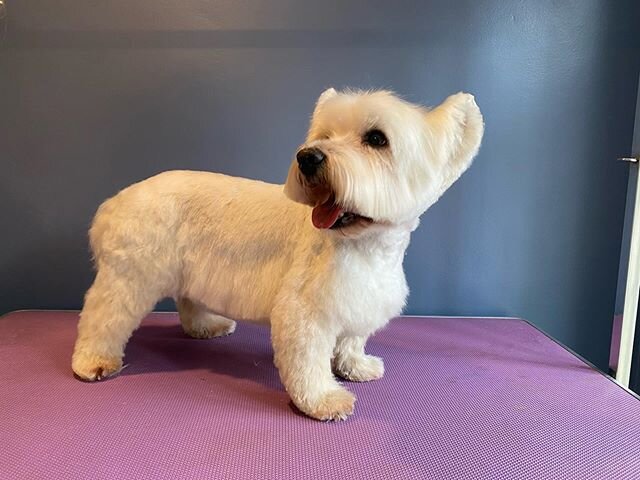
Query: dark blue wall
96	95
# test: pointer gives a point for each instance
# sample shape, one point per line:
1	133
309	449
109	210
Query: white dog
324	269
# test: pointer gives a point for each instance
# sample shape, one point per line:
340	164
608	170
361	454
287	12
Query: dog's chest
370	289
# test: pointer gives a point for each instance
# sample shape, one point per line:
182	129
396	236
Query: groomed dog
323	266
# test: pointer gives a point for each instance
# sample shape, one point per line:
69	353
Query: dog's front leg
351	363
302	354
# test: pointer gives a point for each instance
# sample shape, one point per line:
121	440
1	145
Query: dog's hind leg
198	322
113	309
351	363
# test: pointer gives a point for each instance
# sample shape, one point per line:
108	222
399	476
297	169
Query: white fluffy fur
230	248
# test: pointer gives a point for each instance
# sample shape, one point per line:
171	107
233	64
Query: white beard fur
230	248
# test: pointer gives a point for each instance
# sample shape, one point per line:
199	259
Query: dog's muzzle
310	160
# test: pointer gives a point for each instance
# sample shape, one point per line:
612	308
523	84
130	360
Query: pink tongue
326	214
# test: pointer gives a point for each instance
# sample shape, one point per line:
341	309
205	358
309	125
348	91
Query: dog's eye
375	138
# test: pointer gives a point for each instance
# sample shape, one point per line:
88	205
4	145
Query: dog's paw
210	327
333	405
211	331
360	369
94	367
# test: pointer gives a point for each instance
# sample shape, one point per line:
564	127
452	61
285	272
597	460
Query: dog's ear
324	96
456	128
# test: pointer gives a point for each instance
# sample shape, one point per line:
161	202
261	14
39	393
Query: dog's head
373	159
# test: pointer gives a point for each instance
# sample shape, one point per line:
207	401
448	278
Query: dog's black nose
309	160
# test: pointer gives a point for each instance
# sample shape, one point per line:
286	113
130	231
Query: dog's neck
389	241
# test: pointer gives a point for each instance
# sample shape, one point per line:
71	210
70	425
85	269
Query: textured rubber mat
461	399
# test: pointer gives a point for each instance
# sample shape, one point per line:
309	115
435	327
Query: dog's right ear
324	96
456	128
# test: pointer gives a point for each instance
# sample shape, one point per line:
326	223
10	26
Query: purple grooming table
462	398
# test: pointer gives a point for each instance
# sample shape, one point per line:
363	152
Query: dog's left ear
456	129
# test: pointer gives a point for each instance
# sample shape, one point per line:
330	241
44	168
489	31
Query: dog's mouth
328	214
